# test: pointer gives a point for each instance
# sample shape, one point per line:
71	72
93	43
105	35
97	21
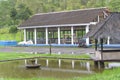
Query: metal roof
62	18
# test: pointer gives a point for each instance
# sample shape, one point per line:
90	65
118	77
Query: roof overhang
61	25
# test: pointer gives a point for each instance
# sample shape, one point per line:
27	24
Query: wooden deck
107	55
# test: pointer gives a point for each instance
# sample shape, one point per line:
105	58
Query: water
62	69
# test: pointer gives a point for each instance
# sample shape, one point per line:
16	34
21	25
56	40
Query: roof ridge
71	10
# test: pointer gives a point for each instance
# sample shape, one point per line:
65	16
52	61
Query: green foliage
115	5
13	29
23	12
13	15
5	35
13	12
17	11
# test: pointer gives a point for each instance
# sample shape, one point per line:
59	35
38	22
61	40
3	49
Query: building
66	27
108	30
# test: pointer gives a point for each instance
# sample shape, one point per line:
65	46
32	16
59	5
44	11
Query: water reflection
113	65
57	68
32	63
72	64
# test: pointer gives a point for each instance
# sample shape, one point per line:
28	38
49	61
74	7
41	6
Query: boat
32	66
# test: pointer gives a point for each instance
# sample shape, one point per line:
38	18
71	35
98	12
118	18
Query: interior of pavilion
65	35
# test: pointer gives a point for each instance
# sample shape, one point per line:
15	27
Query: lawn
111	74
10	56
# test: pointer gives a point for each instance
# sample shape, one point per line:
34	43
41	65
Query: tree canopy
17	11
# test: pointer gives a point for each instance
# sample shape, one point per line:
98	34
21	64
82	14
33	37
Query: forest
14	12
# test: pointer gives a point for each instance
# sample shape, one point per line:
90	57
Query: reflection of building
68	66
60	24
33	63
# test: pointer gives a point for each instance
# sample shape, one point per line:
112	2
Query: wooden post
101	40
96	64
101	64
96	41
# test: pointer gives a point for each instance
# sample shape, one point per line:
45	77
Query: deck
107	55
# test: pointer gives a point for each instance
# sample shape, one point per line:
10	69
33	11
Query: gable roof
60	18
109	27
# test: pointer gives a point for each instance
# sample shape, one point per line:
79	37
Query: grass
113	74
82	56
7	56
29	79
5	35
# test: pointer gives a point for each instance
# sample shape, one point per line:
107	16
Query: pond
52	68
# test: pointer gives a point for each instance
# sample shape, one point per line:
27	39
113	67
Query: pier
107	55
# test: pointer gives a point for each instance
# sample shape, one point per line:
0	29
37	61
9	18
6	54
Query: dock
107	55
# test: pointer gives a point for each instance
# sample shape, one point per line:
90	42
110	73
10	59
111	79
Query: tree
23	12
5	8
13	30
13	15
114	5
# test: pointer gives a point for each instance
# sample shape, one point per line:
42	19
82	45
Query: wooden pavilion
66	27
109	29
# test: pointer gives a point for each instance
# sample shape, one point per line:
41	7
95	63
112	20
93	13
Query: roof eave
61	25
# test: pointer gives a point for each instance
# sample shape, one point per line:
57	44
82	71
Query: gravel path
46	50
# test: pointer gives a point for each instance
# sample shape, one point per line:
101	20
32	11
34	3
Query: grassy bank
29	79
113	74
7	56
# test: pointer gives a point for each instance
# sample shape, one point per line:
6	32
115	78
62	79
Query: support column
72	34
29	35
96	42
101	42
58	35
108	40
25	39
46	30
35	36
98	18
87	39
32	35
